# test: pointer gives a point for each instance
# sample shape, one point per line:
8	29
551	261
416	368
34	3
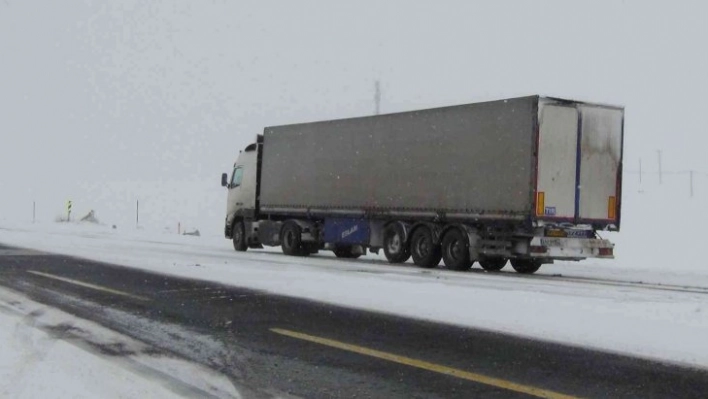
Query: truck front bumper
563	248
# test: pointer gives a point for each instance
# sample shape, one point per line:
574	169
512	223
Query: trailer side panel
475	159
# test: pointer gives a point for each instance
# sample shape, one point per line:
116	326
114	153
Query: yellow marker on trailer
540	203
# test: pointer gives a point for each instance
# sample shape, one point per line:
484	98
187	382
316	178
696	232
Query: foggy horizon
106	102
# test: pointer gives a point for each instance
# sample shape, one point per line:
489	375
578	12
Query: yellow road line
87	285
496	382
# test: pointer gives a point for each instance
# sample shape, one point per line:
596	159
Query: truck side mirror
224	179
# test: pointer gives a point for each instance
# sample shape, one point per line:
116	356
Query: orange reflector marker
556	233
612	208
540	203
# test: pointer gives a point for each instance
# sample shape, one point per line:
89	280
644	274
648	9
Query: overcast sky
109	99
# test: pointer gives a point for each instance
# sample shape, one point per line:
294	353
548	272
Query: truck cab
242	186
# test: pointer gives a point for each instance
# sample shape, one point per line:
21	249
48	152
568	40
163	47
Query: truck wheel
310	249
291	240
239	237
394	245
456	251
345	252
492	264
526	266
426	253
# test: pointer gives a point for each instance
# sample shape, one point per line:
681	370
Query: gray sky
106	101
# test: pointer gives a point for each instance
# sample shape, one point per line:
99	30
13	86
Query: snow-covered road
658	322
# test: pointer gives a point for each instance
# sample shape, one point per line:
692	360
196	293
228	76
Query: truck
525	181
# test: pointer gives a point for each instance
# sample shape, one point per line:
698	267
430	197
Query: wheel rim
289	239
237	235
394	244
455	250
423	247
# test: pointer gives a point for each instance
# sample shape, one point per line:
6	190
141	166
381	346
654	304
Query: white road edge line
87	285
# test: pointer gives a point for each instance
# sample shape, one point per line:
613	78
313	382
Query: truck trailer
526	180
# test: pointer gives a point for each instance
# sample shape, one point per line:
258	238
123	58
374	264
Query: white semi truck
528	180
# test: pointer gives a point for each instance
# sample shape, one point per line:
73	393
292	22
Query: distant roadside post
68	210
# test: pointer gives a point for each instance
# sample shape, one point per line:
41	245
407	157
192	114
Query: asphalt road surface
275	346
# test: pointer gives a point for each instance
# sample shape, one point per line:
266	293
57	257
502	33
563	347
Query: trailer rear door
557	162
579	163
600	162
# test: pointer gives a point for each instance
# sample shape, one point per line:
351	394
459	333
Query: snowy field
596	304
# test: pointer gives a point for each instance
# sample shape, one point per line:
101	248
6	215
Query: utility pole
377	97
658	153
34	211
137	213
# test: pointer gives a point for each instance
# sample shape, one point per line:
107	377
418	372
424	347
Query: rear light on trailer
540	203
605	252
538	249
612	208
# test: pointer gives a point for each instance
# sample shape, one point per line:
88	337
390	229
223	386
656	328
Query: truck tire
394	245
424	250
525	266
238	236
310	249
345	252
291	240
456	251
493	264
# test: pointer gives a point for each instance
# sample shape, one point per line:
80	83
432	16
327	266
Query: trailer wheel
456	251
394	245
291	240
425	251
525	266
492	264
345	252
239	237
